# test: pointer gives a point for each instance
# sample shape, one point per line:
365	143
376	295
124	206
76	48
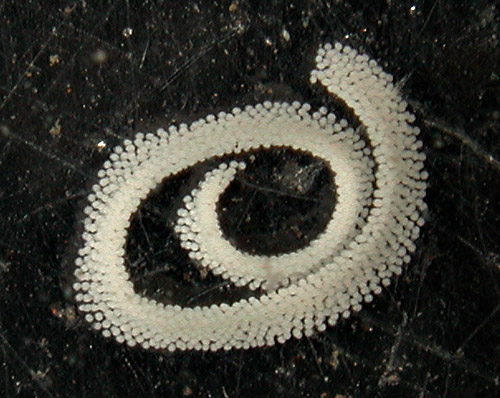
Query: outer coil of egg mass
377	217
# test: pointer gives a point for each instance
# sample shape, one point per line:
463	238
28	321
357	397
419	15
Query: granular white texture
380	189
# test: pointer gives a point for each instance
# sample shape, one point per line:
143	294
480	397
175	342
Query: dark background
76	77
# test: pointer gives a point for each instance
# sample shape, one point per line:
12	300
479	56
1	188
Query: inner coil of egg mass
200	231
377	217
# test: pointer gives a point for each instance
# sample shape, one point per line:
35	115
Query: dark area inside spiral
282	201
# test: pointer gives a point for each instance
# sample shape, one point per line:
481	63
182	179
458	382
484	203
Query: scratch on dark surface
390	368
459	134
454	358
29	67
484	322
45	153
6	347
198	55
53	204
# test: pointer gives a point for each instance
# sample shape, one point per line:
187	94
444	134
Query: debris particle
55	130
54	60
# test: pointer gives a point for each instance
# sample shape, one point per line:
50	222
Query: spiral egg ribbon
377	217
